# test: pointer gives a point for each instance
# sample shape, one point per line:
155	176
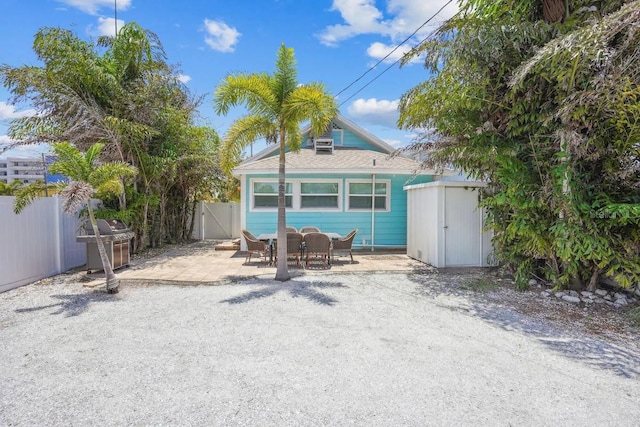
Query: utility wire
389	54
387	69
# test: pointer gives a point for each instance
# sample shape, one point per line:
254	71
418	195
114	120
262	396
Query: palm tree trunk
553	10
111	279
282	272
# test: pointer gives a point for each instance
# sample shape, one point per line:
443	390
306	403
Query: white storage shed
445	224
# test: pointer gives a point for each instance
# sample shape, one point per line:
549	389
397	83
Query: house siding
349	139
390	226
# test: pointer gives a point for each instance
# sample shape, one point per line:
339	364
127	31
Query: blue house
339	181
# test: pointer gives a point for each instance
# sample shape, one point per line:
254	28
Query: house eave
290	171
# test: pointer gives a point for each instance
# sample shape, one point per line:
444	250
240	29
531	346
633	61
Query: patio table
270	238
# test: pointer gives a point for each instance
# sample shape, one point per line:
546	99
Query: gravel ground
339	349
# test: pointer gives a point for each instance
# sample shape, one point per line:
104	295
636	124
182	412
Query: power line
389	54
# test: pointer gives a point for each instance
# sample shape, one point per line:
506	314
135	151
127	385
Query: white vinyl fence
38	243
217	221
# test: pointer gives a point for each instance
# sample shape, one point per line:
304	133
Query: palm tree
87	177
9	189
277	106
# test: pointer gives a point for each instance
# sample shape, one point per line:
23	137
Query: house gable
345	134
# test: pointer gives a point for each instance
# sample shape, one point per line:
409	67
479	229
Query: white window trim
367	181
297	194
268	180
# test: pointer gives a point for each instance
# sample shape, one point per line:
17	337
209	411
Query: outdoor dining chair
294	247
254	246
291	229
317	246
344	244
309	229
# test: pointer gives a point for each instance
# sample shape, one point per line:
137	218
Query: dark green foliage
123	94
547	113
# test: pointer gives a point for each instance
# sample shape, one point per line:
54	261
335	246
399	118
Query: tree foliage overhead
122	93
540	98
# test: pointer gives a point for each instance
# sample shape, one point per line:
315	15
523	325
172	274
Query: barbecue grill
116	237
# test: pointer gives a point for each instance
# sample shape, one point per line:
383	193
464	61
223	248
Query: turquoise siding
349	139
390	227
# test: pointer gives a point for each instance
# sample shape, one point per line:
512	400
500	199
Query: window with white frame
360	195
308	194
319	195
265	194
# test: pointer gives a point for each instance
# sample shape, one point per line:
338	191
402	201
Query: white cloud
394	142
8	112
220	36
183	78
402	18
360	17
105	27
93	6
33	150
379	50
376	112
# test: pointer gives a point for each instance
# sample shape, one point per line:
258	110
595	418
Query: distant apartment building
24	169
27	170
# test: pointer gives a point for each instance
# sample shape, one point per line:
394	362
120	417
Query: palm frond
252	90
286	74
102	175
243	132
71	163
75	194
311	102
27	194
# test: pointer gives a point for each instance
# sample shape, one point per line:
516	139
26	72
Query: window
301	194
319	195
360	195
265	195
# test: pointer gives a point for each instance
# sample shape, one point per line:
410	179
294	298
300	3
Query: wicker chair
291	229
294	247
254	246
344	244
309	229
318	246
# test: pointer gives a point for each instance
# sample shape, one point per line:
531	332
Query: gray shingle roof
342	160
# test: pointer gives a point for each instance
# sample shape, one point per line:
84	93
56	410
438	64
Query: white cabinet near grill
116	238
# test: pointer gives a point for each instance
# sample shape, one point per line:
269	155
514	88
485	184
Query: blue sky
335	41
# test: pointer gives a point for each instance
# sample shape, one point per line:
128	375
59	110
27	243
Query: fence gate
217	221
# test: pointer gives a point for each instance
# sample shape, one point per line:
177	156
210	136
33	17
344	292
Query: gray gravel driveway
338	349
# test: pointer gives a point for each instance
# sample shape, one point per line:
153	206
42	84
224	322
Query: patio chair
317	246
254	246
294	247
291	229
309	229
344	244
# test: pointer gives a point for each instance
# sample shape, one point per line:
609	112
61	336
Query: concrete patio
204	264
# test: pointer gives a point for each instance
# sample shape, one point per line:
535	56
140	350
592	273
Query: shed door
462	228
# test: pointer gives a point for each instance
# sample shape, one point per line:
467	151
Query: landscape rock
571	298
601	292
586	294
532	282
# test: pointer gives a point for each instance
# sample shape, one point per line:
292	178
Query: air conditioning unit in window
323	145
